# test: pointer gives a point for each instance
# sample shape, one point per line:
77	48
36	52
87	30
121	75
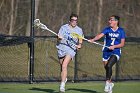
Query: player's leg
65	63
106	56
107	84
65	56
62	86
61	56
105	61
61	61
64	66
112	60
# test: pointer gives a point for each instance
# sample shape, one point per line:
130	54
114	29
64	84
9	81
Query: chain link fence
87	65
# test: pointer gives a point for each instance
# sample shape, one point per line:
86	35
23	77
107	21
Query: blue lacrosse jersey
113	38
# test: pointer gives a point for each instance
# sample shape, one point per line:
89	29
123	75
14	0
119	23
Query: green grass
83	87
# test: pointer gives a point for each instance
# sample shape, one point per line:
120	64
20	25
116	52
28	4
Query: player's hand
112	47
60	37
78	46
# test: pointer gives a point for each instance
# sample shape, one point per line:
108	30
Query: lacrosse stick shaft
82	38
100	44
95	42
58	36
44	27
52	32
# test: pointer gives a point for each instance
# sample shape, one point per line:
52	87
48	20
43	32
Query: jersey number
113	40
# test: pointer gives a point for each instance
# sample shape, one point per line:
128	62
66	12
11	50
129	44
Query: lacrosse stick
81	37
38	24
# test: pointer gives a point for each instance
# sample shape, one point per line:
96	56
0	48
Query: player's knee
64	67
111	62
109	66
106	67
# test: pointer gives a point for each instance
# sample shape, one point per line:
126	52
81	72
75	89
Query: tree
78	6
100	15
11	18
29	18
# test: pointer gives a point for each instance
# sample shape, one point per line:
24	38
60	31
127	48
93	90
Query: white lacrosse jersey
65	31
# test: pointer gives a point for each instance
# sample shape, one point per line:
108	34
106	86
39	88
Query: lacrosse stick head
37	23
75	35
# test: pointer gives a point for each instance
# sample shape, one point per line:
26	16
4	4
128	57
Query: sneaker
109	92
106	89
62	87
111	87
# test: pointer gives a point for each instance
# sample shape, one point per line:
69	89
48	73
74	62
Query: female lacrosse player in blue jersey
67	46
115	39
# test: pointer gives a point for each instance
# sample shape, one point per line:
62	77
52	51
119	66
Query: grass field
83	87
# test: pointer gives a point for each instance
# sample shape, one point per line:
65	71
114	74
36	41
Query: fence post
31	72
75	68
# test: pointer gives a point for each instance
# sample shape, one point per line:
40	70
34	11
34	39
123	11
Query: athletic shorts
106	55
66	51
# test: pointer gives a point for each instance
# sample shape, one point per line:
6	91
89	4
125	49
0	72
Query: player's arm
60	33
97	37
119	45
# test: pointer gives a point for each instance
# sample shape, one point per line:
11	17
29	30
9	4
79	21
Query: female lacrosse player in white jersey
115	39
67	46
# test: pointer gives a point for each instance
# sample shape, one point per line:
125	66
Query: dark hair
116	18
73	15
